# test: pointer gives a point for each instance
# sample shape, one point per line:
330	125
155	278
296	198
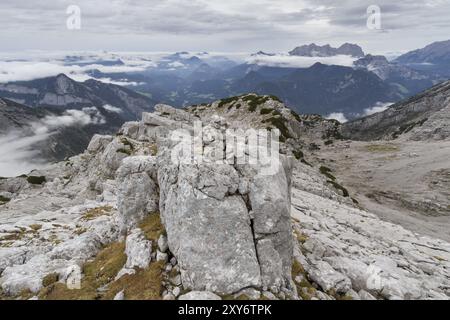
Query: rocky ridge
418	118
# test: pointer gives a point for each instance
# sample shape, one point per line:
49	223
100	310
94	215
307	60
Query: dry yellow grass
381	148
97	212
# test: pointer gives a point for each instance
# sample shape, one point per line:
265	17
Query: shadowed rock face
227	224
62	92
402	117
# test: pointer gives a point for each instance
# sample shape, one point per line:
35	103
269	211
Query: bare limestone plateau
138	225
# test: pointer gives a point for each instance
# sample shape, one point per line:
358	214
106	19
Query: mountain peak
434	53
313	50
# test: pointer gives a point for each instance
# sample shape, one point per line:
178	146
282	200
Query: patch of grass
127	143
80	231
38	180
254	101
125	151
97	273
298	270
226	101
327	172
15	234
381	148
23	295
143	285
301	238
154	149
305	162
408	127
344	297
296	116
276	113
152	227
50	279
94	213
106	265
279	123
232	297
333	132
35	227
4	199
298	154
339	187
440	259
275	98
264	111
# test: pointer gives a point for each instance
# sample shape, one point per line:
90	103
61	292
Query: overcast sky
220	25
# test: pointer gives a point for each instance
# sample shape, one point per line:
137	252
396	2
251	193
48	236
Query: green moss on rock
36	180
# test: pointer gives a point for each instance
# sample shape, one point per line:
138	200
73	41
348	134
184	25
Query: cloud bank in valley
378	107
17	155
287	61
29	70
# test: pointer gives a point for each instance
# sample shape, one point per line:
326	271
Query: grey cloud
17	155
235	25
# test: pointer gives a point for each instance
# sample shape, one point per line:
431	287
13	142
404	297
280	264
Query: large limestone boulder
137	192
229	227
138	250
209	231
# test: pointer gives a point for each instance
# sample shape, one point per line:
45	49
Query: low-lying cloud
287	61
110	108
18	154
378	107
29	70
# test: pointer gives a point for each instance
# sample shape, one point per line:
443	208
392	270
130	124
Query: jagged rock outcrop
228	225
313	50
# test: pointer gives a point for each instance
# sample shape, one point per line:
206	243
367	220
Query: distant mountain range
183	79
434	57
422	117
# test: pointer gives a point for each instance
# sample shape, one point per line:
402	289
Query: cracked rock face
137	191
